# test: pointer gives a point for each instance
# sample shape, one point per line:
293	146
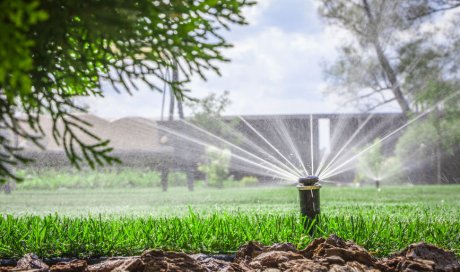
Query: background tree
398	53
52	51
374	166
207	114
390	53
369	166
422	8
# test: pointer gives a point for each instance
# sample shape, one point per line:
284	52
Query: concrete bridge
319	132
139	143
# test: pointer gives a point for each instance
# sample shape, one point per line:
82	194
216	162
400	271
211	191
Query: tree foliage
216	166
431	144
54	50
370	164
373	165
206	112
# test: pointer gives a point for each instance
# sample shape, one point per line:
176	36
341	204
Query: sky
275	68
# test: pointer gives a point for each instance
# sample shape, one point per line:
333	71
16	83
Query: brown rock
249	250
303	265
418	265
353	267
422	257
281	247
310	249
272	259
212	264
350	255
336	251
118	264
334	260
72	266
157	260
330	254
30	262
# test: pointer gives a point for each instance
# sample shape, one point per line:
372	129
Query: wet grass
127	221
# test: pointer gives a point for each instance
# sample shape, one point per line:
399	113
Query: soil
323	254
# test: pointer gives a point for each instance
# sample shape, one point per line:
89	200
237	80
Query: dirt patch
323	254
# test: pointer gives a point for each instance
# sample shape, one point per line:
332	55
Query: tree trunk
383	60
438	146
175	78
165	169
190	168
172	96
190	178
171	106
164	178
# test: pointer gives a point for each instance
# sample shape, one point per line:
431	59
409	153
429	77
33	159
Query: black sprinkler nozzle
308	180
309	196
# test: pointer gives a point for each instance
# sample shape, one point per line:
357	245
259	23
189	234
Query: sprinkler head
309	199
308	180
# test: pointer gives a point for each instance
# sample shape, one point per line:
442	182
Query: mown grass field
102	222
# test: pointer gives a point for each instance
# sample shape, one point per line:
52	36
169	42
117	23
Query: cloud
274	69
294	16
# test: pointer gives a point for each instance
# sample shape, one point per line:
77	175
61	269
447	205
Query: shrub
216	165
177	179
103	178
248	181
369	165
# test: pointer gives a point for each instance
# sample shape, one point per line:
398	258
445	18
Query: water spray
309	197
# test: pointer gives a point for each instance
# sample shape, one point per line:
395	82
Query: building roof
129	133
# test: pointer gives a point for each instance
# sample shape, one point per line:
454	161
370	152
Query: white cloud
254	14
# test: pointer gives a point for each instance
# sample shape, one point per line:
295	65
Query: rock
303	265
323	254
310	249
334	260
249	251
158	260
336	251
281	247
72	266
30	262
422	257
353	267
212	264
273	259
217	265
350	255
118	264
415	265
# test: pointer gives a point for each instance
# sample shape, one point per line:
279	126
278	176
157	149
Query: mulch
323	254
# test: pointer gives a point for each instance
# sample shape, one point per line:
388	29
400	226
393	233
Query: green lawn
126	221
402	201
